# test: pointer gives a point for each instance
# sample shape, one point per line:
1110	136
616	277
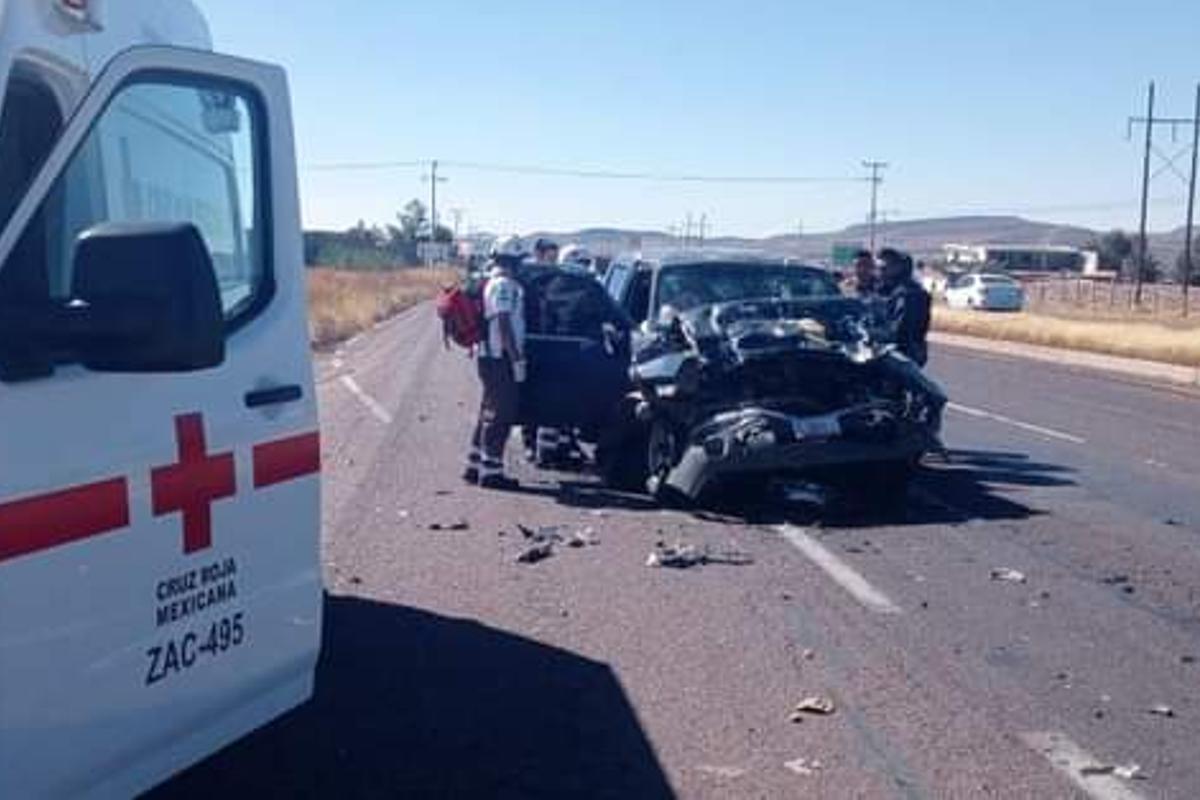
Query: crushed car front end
758	388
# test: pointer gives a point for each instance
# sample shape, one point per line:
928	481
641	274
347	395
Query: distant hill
922	237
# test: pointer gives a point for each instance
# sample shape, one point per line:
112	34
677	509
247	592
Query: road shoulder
1137	369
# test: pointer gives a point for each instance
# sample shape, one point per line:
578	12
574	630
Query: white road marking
371	403
1070	759
1016	423
841	572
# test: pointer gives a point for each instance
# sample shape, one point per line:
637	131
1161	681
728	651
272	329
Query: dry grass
343	302
1175	344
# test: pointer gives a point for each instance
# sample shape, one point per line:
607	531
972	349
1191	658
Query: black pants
497	411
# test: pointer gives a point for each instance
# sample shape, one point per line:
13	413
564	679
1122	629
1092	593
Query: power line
664	177
363	166
602	174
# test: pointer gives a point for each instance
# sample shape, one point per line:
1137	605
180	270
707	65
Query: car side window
172	150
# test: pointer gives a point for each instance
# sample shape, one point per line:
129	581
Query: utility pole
457	213
1192	124
876	167
687	230
434	180
1142	244
1191	206
703	225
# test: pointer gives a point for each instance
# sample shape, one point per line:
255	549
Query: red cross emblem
191	486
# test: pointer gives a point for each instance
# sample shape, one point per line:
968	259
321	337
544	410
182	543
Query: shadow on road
412	704
963	486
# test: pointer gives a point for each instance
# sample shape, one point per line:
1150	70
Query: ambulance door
159	502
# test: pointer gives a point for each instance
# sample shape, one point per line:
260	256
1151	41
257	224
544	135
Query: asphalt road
451	670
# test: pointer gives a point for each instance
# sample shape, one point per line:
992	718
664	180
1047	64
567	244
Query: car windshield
689	286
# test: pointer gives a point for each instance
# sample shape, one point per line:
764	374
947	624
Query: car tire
890	481
622	464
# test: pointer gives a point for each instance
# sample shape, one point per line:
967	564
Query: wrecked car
745	368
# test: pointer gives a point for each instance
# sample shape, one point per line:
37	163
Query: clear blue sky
980	106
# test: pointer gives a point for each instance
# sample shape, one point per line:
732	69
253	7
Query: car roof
699	258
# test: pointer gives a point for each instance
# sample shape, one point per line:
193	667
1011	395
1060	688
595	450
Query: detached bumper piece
757	440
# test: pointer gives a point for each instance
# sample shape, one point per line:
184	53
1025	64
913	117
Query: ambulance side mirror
145	299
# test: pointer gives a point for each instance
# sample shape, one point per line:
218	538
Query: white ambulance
160	590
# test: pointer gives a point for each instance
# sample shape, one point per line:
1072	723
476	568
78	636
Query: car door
578	352
159	581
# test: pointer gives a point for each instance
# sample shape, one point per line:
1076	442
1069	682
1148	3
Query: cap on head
575	254
508	251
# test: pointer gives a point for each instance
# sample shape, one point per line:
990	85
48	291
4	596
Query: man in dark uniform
907	306
864	280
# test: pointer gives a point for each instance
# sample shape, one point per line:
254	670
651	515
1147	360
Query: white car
985	291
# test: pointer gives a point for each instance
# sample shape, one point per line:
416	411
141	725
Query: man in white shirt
501	363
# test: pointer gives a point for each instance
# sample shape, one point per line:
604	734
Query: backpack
461	312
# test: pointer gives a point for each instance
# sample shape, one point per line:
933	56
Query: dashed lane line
380	413
1074	762
842	573
1040	430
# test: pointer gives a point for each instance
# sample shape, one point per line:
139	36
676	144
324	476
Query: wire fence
1081	294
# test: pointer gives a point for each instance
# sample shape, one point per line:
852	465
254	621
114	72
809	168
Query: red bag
461	312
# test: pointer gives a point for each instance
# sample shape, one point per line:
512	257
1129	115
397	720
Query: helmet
575	254
508	248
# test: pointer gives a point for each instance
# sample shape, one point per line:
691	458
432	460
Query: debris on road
681	556
809	655
685	556
1118	579
546	533
724	773
456	525
804	766
535	553
1008	575
1161	710
1128	772
814	705
1187	659
583	538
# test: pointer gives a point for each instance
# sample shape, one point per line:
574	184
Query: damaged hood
746	330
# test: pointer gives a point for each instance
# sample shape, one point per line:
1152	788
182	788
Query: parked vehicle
752	368
985	291
160	580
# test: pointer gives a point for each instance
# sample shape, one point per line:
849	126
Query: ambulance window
166	151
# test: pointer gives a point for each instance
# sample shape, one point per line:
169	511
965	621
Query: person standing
501	366
545	252
864	281
907	305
